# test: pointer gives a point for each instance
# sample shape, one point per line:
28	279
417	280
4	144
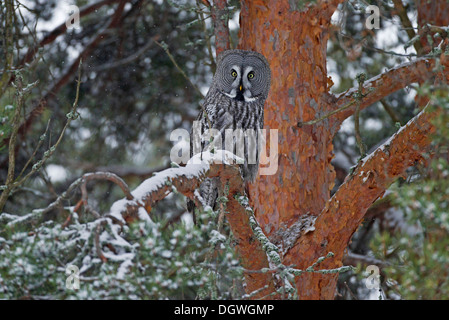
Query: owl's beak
239	94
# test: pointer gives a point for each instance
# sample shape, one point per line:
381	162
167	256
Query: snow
118	207
396	219
197	166
123	269
219	156
56	173
119	257
216	237
166	254
387	143
143	215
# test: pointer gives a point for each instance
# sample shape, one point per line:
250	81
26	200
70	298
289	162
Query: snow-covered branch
385	84
373	175
368	181
184	180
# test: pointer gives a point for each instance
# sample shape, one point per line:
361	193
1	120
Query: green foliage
299	5
6	115
129	103
143	261
418	252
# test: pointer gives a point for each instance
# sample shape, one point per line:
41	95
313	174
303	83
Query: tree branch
7	44
343	213
220	19
375	173
385	84
401	12
355	259
50	94
186	180
61	29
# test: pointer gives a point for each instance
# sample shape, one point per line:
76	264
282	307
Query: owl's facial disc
248	75
241	85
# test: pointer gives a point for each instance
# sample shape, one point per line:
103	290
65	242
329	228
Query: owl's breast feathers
227	113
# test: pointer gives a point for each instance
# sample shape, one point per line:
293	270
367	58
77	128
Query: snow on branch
251	247
184	180
372	176
343	213
385	84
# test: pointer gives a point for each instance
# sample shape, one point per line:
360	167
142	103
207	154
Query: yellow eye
234	73
251	75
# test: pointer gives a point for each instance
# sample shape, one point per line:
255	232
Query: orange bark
294	40
345	211
220	13
432	13
387	83
249	249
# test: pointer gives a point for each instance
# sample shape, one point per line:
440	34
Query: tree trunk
294	40
295	44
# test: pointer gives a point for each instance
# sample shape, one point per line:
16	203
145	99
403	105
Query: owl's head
243	75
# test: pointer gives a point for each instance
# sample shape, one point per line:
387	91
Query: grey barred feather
235	101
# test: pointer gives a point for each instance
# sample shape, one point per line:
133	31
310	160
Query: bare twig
61	29
350	291
110	177
164	46
78	183
358	259
402	14
72	115
346	106
39	144
97	242
124	61
391	112
213	65
68	74
10	184
20	98
7	45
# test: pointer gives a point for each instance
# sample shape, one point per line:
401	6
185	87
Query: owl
235	100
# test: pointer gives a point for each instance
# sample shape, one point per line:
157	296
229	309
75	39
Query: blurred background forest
146	65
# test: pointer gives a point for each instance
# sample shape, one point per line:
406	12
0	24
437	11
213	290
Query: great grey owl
234	101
